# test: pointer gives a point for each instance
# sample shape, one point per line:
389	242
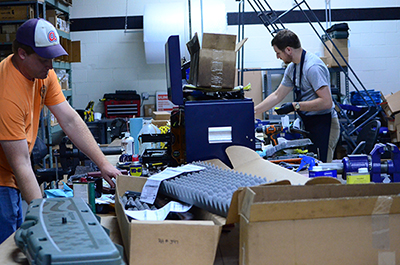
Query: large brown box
16	12
217	61
320	224
191	242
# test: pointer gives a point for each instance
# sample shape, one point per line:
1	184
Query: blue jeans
10	212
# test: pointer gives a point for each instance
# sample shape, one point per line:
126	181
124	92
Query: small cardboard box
16	12
342	45
320	224
148	110
166	242
391	103
161	115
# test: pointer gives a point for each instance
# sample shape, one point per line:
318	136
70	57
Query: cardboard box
217	61
330	62
16	12
51	16
215	68
148	110
73	48
161	115
321	224
9	29
160	123
145	241
393	122
255	78
391	103
166	242
342	45
7	37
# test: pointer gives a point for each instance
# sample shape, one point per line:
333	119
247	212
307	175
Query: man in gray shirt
309	78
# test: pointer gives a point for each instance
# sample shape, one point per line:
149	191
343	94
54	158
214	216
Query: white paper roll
160	21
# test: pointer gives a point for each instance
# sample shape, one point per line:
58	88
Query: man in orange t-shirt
27	83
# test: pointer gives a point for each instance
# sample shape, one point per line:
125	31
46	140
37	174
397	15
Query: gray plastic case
65	231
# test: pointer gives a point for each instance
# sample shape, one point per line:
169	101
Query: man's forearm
28	185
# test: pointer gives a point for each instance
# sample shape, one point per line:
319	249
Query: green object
91	196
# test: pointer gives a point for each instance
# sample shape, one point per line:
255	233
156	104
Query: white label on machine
218	135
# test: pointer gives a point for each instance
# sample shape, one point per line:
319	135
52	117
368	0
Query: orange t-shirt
21	101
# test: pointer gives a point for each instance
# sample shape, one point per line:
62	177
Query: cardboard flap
219	41
247	202
246	160
237	198
240	44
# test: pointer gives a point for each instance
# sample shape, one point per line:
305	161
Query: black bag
338	27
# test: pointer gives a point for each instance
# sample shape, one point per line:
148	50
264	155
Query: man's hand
285	108
110	172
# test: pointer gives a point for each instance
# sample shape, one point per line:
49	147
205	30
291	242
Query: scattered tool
374	164
89	114
274	134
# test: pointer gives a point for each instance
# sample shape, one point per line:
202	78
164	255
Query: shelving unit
40	7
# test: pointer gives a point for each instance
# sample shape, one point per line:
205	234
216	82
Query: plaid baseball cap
41	35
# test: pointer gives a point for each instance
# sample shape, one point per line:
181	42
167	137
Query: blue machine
210	125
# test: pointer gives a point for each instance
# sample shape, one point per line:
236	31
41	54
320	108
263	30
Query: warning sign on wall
162	102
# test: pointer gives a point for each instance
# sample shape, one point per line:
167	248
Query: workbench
227	253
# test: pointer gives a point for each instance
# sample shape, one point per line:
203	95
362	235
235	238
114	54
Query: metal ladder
272	20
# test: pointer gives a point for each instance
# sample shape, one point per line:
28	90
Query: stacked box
16	13
342	46
391	106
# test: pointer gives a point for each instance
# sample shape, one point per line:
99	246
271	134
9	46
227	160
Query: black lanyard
297	89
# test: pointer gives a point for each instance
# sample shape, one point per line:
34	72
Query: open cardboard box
145	242
320	224
214	65
166	242
391	103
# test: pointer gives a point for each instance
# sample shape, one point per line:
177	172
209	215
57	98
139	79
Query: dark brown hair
286	38
16	45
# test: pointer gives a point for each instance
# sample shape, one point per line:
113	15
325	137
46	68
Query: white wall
114	60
